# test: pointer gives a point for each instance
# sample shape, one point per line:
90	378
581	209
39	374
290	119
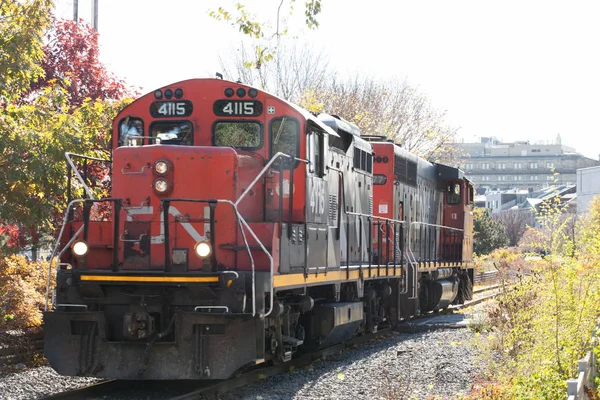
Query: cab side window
453	193
131	132
316	151
284	134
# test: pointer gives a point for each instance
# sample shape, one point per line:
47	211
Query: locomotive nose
171	229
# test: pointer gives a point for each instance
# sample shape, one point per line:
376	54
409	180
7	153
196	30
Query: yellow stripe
177	279
331	276
457	264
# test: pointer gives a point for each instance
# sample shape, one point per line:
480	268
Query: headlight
202	249
161	185
80	248
161	167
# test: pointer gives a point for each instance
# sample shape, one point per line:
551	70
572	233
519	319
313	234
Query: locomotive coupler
138	326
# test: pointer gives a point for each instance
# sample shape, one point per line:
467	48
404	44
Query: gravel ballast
38	382
438	364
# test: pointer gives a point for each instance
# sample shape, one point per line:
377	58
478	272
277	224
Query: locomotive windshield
239	134
172	133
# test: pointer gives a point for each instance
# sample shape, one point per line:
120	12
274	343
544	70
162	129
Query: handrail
398	221
263	248
72	165
436	226
234	205
397	246
91	195
376	217
414	223
272	271
58	264
244	225
410	252
265	168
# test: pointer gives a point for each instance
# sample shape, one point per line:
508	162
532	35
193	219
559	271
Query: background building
588	186
493	165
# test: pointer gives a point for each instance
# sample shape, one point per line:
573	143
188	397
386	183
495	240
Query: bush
22	292
543	323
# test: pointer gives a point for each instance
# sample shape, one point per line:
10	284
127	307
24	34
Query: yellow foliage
22	292
310	102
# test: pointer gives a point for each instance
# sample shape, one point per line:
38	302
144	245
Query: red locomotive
243	229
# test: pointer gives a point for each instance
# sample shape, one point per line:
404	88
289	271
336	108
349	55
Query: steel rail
261	373
188	390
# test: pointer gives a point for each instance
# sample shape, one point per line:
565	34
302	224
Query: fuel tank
438	294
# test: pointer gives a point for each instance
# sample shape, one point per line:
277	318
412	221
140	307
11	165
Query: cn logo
189	228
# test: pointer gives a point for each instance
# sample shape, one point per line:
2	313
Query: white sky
517	70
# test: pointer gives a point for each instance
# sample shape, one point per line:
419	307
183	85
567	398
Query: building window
533	165
534	178
501	165
518	165
536	150
519	178
469	166
502	178
485	178
550	178
485	165
549	165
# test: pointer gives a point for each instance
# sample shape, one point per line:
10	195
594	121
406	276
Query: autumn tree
22	27
72	61
33	140
47	119
391	108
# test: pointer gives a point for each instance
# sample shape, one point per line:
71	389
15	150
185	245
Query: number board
241	108
168	109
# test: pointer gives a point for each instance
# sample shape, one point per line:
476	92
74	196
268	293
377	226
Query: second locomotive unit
242	229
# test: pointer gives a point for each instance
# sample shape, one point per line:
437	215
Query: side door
317	195
284	188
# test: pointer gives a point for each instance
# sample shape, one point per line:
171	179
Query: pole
95	15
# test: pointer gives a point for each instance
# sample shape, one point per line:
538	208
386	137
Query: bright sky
517	70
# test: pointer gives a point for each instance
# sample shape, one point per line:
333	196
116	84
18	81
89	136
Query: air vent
333	209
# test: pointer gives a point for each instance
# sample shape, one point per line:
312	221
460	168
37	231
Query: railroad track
9	355
184	390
